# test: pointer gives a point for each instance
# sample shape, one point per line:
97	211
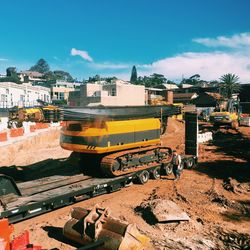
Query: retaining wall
29	128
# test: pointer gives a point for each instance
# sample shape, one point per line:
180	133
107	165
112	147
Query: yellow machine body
100	137
223	117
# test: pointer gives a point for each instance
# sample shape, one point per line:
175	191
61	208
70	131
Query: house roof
167	86
185	86
184	95
216	96
32	73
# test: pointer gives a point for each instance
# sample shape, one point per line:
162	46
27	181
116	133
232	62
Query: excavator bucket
97	227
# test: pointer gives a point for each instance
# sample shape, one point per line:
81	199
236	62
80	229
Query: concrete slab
167	211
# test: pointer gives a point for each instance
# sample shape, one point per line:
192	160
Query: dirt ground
215	195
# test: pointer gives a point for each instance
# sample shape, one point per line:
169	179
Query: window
22	98
3	98
61	96
113	92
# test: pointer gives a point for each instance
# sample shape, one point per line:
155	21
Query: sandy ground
215	195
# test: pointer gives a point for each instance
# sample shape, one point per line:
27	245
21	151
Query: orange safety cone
5	231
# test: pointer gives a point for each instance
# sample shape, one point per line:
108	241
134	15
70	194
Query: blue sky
177	38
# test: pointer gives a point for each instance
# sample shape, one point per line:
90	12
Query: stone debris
234	186
234	240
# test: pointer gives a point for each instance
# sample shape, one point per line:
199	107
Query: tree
229	84
192	80
98	78
133	78
41	66
11	71
155	79
95	78
11	76
62	75
152	80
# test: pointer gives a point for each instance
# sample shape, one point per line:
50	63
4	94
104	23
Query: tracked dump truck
120	140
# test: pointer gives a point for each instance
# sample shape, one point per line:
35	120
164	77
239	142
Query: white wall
118	94
12	94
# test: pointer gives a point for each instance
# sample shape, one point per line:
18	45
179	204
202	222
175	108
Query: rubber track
108	161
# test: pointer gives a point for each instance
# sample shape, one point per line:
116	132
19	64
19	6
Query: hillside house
113	94
22	95
33	77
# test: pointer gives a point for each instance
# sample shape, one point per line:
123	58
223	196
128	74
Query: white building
60	90
22	95
114	94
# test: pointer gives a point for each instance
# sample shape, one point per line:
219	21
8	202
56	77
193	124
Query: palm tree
229	84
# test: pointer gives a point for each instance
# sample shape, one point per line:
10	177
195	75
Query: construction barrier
27	129
28	126
22	242
15	132
3	136
5	232
204	137
32	128
245	121
40	125
3	123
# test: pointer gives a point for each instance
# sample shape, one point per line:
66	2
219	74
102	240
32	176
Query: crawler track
130	161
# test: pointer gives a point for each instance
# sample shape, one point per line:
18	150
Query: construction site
103	179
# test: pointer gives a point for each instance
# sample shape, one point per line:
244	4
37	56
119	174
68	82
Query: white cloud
235	41
81	53
107	65
209	65
3	59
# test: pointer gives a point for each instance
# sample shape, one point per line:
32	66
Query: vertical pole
191	133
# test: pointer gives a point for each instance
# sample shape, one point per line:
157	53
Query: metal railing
4	104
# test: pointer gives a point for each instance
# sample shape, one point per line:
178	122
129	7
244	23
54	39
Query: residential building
113	94
60	90
33	77
22	95
185	98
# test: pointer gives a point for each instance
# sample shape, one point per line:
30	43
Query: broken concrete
165	211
